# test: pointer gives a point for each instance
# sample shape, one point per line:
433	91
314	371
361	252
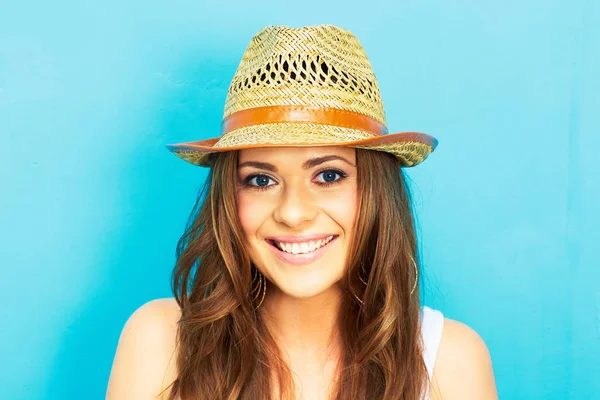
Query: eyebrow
308	164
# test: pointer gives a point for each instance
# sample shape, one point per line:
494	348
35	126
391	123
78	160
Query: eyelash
342	174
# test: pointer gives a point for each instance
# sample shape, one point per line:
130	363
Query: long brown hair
225	350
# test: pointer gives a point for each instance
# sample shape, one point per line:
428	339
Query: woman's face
297	208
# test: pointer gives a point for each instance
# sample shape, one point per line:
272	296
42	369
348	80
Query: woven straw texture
280	135
320	66
315	66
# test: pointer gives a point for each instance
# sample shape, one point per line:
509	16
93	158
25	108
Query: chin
303	291
308	281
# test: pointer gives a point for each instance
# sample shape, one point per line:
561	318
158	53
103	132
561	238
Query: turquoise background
92	204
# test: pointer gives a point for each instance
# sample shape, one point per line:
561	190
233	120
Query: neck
305	326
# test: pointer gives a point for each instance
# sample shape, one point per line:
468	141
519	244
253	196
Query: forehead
294	155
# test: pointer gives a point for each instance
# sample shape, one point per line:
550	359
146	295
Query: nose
296	207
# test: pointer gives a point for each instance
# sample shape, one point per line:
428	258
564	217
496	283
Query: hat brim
411	148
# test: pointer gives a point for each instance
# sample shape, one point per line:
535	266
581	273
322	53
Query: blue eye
326	178
329	176
258	180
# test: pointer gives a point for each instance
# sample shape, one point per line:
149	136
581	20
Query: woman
297	275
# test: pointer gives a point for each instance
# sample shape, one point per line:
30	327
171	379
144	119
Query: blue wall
92	204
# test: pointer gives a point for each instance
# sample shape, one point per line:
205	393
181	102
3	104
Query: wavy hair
225	350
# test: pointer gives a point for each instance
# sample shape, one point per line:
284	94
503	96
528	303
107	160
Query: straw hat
310	86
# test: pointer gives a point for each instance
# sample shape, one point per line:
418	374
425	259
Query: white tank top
432	324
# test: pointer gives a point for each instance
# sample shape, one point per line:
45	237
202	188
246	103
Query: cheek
343	208
251	212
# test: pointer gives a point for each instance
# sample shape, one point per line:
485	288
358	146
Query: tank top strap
432	324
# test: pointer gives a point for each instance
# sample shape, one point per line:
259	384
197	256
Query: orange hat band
303	114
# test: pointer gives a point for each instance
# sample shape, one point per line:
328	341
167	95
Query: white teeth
305	247
295	248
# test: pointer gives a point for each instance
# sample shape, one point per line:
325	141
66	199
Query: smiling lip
300	259
300	238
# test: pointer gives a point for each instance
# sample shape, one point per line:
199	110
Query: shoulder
463	366
145	361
